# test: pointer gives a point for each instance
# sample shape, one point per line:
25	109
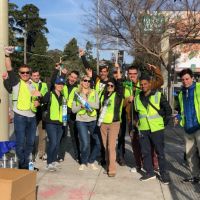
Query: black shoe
192	180
164	178
147	177
121	162
36	169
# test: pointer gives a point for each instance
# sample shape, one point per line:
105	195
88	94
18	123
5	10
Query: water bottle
11	163
30	164
13	49
15	161
64	112
4	161
83	102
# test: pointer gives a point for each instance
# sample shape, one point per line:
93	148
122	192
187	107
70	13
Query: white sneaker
93	166
50	167
82	167
133	170
57	165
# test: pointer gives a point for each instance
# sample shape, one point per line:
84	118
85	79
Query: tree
89	56
148	27
70	56
27	21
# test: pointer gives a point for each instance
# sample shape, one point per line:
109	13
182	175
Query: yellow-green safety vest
55	109
149	119
24	99
91	98
43	90
98	89
128	91
71	97
65	92
196	104
109	115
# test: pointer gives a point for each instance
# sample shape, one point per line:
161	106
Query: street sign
153	23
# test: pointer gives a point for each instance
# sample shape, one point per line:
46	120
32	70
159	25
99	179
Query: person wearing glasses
109	120
85	104
24	108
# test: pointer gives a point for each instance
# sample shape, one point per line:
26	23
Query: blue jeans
54	134
25	131
88	155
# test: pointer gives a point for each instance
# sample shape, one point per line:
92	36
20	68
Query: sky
65	21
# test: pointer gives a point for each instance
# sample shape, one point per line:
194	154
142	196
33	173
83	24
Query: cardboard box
17	184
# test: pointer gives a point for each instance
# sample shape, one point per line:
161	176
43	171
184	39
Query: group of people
98	108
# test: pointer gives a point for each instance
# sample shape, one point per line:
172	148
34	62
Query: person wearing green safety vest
156	82
189	103
53	121
24	108
68	91
85	104
154	113
40	140
109	120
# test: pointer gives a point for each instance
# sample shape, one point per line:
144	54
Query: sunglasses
110	85
85	80
27	72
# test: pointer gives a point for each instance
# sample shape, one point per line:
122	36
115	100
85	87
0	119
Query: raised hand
64	71
150	67
8	50
81	52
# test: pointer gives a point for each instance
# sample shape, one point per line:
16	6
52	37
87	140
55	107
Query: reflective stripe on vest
91	98
196	104
24	99
55	109
149	119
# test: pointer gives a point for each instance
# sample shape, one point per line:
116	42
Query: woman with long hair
85	104
109	120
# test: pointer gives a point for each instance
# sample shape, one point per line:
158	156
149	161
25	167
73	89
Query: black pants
157	139
121	136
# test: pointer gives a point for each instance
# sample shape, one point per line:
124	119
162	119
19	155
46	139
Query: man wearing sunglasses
24	108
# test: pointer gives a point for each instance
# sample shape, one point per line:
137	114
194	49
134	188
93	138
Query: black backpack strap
40	86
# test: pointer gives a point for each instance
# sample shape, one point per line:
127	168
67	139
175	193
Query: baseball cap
60	80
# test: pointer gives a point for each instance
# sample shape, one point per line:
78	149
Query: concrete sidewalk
71	184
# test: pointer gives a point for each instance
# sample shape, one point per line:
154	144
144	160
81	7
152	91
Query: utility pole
25	46
97	36
4	129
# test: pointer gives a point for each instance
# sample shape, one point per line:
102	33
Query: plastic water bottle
83	102
11	163
15	161
4	161
64	112
30	164
12	49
